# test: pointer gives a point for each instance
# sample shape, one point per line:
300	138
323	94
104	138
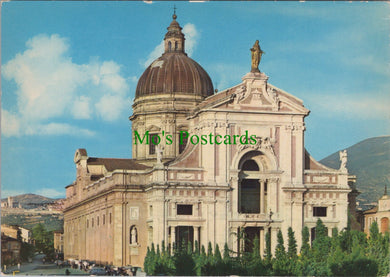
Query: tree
320	249
184	263
27	251
292	256
200	261
226	252
255	265
280	263
217	254
292	244
44	240
197	250
378	249
209	251
305	242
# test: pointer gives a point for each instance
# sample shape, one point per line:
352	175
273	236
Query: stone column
233	241
235	193
173	234
196	235
274	239
262	242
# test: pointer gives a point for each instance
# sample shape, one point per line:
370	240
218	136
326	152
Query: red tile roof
111	164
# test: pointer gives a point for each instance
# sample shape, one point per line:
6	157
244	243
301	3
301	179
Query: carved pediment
262	143
254	94
153	128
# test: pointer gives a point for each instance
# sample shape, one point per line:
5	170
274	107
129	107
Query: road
38	268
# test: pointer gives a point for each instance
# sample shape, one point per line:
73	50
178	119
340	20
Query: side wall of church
100	230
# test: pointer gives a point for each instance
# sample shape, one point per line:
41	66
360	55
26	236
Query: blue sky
70	69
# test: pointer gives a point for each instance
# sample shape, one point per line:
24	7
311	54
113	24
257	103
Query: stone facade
10	250
58	241
13	230
207	192
379	214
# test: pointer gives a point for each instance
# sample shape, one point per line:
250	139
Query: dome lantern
174	38
174	73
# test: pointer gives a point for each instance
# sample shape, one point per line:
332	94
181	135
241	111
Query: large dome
174	72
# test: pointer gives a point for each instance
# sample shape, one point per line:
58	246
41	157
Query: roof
111	164
7	238
372	210
312	164
174	73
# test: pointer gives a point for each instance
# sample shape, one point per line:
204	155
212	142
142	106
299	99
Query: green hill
52	222
369	160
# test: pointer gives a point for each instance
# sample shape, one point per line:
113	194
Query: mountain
31	198
31	209
369	160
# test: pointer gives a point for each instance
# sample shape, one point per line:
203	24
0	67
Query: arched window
104	219
252	189
182	143
250	165
175	45
169	46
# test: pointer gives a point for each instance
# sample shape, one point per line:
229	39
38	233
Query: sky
69	71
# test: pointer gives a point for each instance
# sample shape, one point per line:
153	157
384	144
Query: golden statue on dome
256	56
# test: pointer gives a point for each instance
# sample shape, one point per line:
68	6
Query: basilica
178	187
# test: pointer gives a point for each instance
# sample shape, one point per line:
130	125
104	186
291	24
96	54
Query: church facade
206	167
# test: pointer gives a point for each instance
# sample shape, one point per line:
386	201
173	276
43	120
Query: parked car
97	271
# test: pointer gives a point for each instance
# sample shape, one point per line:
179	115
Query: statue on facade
159	150
256	56
343	160
133	235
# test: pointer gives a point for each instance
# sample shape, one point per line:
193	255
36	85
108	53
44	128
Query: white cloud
57	129
191	38
357	107
81	108
6	192
9	123
110	76
110	106
51	193
157	52
51	87
226	75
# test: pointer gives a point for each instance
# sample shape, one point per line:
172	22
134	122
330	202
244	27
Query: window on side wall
184	209
319	211
153	141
